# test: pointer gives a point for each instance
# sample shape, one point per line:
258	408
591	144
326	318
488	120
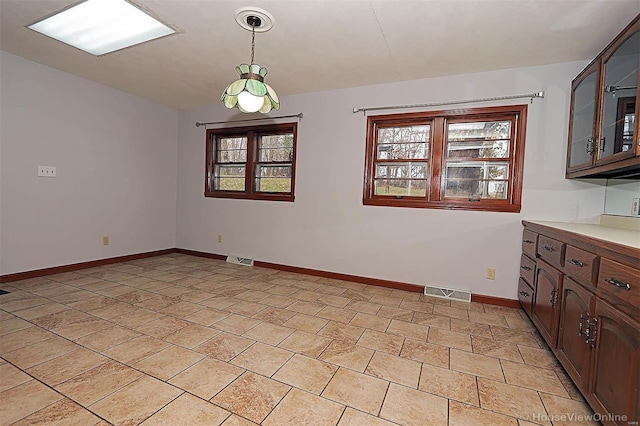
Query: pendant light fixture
250	93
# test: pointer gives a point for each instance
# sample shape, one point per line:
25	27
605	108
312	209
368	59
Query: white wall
328	228
620	196
116	163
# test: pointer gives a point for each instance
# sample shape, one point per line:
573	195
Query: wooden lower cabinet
614	388
545	310
574	348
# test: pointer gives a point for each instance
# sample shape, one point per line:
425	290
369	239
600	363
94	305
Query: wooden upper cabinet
603	127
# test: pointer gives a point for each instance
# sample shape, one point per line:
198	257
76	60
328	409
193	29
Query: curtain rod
468	101
299	115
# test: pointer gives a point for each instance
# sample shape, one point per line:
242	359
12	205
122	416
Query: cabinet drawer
620	281
580	264
525	295
551	250
527	269
529	243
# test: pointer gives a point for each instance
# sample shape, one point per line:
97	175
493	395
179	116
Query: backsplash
621	196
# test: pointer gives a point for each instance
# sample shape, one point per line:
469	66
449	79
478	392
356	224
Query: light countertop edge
623	237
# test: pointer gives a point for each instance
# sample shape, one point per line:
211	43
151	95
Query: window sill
484	205
245	196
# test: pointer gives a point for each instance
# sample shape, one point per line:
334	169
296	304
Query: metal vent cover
239	260
448	293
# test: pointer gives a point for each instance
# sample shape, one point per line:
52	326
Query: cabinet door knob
523	293
581	324
526	268
549	249
590	146
618	283
576	263
528	242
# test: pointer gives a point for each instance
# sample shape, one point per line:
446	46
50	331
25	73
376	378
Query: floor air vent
247	261
448	293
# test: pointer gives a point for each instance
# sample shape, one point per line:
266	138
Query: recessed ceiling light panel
102	26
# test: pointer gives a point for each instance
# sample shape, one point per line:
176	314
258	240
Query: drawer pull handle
581	325
549	249
576	263
528	241
526	268
618	283
523	293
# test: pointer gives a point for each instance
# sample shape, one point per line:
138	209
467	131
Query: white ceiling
320	45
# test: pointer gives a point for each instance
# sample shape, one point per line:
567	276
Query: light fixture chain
253	42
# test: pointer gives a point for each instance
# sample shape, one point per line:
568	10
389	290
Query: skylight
102	26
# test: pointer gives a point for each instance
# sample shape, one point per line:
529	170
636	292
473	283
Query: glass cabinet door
618	116
583	115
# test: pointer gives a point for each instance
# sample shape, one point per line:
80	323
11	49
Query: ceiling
318	45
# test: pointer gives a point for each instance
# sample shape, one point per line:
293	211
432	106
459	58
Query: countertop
624	237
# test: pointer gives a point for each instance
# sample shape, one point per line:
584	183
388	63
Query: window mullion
250	169
437	159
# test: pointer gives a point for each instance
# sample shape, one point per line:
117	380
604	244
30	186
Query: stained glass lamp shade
250	93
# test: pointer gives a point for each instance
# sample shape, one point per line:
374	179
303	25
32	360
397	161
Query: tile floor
184	340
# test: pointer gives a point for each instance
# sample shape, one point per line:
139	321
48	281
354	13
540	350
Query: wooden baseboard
479	298
82	265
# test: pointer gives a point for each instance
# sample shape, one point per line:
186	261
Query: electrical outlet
219	238
635	206
105	240
491	273
46	171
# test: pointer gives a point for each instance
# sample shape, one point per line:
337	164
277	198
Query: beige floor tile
449	384
181	309
136	318
347	355
519	323
191	336
245	308
196	296
341	331
468	327
168	362
58	370
305	343
302	408
32	307
462	314
336	314
429	353
466	415
63	412
207	377
381	342
135	296
58	319
162	327
563	411
136	401
485	318
306	373
356	390
366	307
136	349
450	338
535	378
337	301
281	290
432	320
11	376
207	316
304	307
273	315
412	407
537	357
394	369
510	400
495	348
262	359
235	420
220	302
80	328
251	396
435	300
253	295
114	310
520	337
25	399
477	365
237	324
372	322
13	324
224	346
473	306
420	306
306	295
407	329
307	323
23	338
271	334
188	410
92	385
40	352
396	313
109	337
278	301
353	417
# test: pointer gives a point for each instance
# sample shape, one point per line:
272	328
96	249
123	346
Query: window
468	159
252	162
